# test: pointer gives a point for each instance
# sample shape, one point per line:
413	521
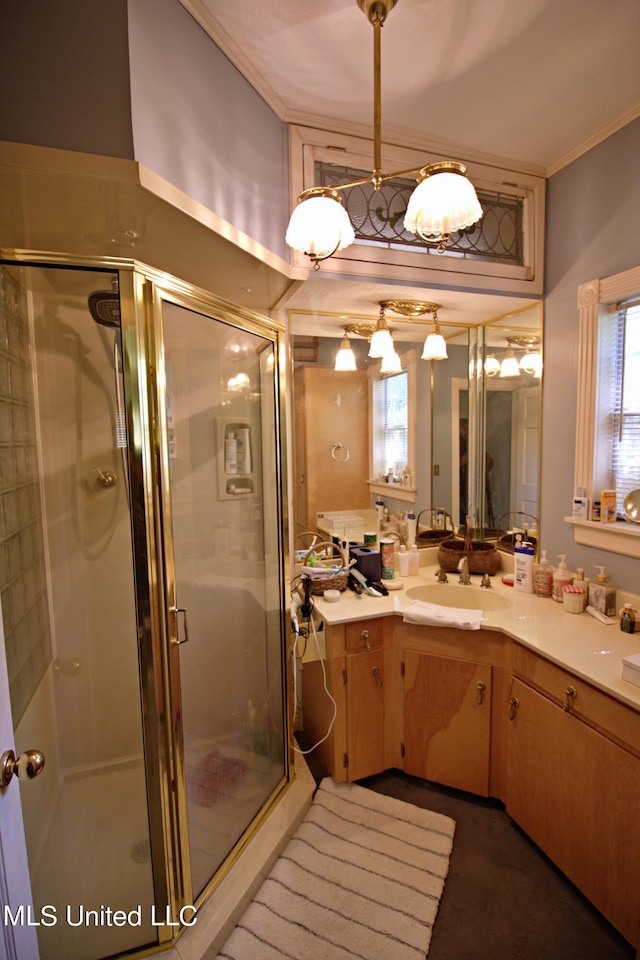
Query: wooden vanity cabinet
447	720
573	783
358	667
452	692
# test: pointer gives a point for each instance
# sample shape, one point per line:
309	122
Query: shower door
69	621
141	573
218	406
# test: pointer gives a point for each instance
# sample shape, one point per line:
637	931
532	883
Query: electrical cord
302	633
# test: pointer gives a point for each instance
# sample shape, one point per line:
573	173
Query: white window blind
624	401
391	423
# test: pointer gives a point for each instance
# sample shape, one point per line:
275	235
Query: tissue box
368	561
631	669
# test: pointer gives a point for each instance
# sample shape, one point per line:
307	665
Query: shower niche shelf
235	459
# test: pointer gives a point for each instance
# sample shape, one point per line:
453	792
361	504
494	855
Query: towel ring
336	448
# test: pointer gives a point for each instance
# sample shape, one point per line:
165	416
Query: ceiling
527	85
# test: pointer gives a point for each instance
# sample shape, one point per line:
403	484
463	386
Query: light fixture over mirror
345	357
443	202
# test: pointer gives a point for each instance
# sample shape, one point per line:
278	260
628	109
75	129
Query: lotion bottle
523	566
403	561
562	577
411	528
230	454
414	561
543	577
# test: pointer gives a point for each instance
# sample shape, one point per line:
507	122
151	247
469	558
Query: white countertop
577	642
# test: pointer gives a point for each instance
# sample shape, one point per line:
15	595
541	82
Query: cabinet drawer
364	635
595	707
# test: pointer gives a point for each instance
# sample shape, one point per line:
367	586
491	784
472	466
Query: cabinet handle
514	703
376	673
480	686
572	693
365	637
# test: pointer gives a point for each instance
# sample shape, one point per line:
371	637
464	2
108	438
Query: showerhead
104	306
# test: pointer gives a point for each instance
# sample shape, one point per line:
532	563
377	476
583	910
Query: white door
525	472
18	939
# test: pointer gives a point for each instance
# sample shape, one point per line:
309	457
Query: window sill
620	537
393	490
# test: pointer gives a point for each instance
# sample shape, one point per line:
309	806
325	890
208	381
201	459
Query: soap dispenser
414	561
562	577
543	577
602	594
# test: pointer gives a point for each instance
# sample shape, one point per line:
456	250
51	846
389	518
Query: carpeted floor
361	878
503	899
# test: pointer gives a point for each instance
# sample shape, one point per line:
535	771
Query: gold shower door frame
143	291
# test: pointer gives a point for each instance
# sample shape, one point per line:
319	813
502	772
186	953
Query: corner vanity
530	709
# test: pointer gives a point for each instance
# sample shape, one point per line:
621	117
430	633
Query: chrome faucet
463	567
486	581
442	576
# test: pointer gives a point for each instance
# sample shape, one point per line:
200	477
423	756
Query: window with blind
391	425
618	423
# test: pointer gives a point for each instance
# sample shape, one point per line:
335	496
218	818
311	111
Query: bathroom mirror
477	419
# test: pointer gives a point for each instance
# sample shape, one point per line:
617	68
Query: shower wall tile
23	589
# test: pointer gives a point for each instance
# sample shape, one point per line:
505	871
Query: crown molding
632	114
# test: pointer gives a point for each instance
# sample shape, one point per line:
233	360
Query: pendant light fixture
381	340
435	347
444	200
391	363
345	357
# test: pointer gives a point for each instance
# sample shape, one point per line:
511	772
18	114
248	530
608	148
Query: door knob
26	766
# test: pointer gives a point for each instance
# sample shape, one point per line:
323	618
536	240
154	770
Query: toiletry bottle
627	619
414	561
543	577
602	594
411	528
562	576
379	507
243	450
230	454
523	566
579	581
403	561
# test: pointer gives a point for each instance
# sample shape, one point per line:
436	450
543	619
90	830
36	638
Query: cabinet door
447	721
365	714
577	795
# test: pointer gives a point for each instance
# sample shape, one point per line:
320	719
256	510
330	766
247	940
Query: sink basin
455	595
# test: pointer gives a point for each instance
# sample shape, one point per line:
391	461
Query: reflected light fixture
381	340
491	366
345	357
443	201
509	366
391	363
435	347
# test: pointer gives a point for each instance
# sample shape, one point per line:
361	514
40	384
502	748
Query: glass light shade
509	367
345	358
491	366
391	363
319	226
381	343
531	363
435	347
443	201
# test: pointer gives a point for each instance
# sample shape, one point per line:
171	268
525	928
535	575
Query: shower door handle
183	611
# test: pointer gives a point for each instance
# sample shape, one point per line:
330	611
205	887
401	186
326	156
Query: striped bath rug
361	878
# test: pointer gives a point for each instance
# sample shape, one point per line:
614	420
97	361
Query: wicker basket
482	557
324	582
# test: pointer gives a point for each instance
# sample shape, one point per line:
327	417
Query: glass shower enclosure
141	586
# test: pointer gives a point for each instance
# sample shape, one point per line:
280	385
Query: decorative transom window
378	217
